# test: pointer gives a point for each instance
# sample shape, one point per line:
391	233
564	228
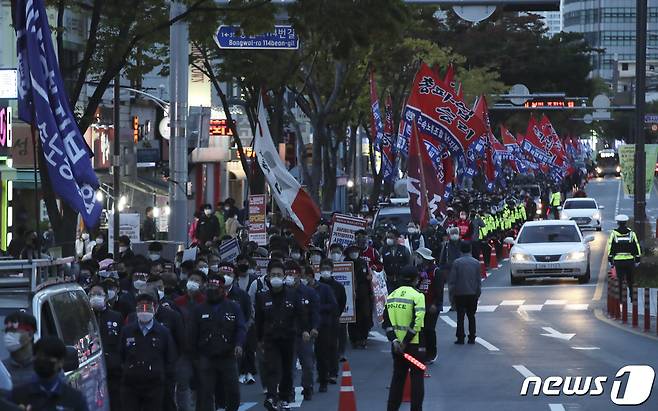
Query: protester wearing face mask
148	357
336	253
358	331
125	252
279	318
49	390
203	267
430	285
18	337
100	251
88	273
126	302
309	300
296	254
155	253
366	251
325	340
315	256
450	251
465	226
207	228
217	333
416	239
110	323
340	336
245	270
395	256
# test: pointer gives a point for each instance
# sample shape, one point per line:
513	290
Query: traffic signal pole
639	206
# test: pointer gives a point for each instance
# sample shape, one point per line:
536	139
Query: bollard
493	257
624	303
608	301
614	297
647	310
634	313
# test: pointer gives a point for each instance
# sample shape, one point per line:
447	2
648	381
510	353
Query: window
549	234
624	66
579	204
47	321
76	322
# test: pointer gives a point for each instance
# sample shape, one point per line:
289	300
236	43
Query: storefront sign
257	211
5	130
343	228
22	150
627	163
8	83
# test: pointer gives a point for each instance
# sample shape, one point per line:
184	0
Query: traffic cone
493	258
483	266
505	251
406	392
346	400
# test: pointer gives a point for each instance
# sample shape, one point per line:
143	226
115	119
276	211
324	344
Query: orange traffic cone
406	392
346	400
483	266
505	251
493	258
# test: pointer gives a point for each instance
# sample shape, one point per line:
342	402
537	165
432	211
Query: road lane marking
524	371
530	307
618	198
555	302
448	321
486	308
556	407
512	302
553	333
377	336
486	344
247	405
576	307
585	348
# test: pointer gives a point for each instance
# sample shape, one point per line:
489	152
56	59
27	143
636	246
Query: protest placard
343	228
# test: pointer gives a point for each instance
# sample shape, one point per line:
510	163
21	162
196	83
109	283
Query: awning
7	173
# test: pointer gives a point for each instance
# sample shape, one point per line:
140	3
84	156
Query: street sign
282	38
651	118
8	83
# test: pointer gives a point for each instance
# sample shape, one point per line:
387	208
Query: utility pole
178	63
116	166
640	86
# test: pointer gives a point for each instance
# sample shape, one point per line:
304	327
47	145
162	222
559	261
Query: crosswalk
522	305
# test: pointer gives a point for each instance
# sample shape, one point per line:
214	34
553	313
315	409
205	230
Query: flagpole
37	200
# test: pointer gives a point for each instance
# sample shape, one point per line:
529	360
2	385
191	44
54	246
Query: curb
598	313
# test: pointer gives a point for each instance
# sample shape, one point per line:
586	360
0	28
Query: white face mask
139	284
354	256
111	294
99	241
192	286
97	302
276	282
315	259
204	270
337	257
295	256
145	317
123	249
154	256
207	212
390	241
12	341
290	280
85	236
454	237
325	274
160	294
412	230
228	280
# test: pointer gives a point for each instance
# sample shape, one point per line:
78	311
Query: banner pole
37	200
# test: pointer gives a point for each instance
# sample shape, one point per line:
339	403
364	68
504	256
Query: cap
426	253
621	218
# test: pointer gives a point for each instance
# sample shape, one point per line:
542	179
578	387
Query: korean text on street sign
257	210
128	225
229	250
343	228
282	38
344	274
651	118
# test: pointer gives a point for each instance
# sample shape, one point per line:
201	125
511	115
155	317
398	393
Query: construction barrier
624	303
647	309
346	400
634	313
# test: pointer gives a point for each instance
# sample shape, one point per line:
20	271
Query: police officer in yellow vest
556	200
404	317
624	253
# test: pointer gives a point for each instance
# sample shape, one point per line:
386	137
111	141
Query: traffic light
135	129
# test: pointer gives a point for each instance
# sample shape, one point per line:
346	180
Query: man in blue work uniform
217	333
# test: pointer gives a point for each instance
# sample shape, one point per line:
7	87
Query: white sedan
584	211
550	248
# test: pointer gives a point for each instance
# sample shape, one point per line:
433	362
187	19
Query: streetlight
350	183
99	196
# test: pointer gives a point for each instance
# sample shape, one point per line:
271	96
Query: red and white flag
293	201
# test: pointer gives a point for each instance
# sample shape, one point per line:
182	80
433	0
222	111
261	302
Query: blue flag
42	102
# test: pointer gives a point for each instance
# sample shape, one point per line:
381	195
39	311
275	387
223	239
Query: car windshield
575	204
399	221
549	234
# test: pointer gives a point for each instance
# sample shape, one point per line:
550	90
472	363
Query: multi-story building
609	25
553	20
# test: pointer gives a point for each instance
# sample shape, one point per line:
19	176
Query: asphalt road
523	330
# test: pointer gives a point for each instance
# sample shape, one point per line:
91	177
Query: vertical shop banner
344	274
343	228
257	211
627	164
380	292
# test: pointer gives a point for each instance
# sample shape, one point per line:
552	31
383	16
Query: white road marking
524	315
553	333
576	307
530	307
555	302
486	308
247	405
486	344
586	348
556	407
448	321
512	302
524	371
377	336
299	398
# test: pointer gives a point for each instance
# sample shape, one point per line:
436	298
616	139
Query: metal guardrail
29	276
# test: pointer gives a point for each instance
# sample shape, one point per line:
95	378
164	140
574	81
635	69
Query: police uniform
110	323
623	252
404	316
147	361
556	199
214	332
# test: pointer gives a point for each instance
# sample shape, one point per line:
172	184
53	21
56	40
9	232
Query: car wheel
515	280
585	279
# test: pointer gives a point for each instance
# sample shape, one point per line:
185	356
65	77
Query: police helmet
621	218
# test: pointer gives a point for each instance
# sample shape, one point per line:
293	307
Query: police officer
217	333
148	357
110	323
394	256
337	344
556	200
624	253
404	316
279	318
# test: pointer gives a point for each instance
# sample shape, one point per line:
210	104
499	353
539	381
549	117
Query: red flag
449	78
508	138
308	213
416	179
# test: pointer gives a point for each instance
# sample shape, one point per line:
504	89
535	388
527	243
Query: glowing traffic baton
415	362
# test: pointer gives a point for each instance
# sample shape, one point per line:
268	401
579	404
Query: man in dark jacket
394	256
217	333
149	229
449	253
125	252
340	335
358	331
466	286
208	226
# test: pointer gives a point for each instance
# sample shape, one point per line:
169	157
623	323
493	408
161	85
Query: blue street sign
282	38
651	118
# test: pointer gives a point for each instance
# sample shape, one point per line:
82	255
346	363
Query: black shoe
332	380
323	388
270	405
308	394
471	341
459	342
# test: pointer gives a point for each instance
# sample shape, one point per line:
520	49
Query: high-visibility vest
623	246
556	199
406	311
